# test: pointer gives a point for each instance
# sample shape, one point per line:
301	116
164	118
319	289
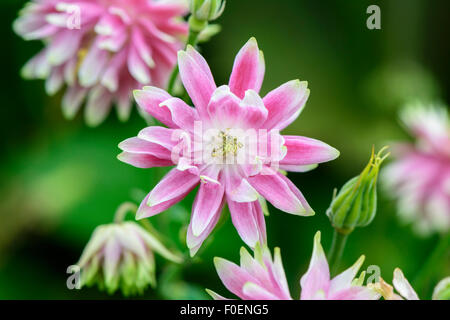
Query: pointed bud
356	203
120	255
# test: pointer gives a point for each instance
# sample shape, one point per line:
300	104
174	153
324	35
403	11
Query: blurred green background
61	179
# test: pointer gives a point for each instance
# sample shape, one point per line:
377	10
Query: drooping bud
120	255
206	10
356	203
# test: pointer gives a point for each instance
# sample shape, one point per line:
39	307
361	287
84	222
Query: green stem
336	250
192	40
123	209
434	261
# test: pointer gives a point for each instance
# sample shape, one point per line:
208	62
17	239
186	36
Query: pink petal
279	274
317	278
255	292
195	242
112	253
72	100
167	138
142	160
253	266
355	293
239	189
63	46
197	78
248	69
283	195
344	279
307	151
224	106
256	112
93	65
248	219
137	145
298	194
142	47
285	103
207	202
144	211
137	66
149	100
98	105
110	78
182	115
173	185
297	168
233	277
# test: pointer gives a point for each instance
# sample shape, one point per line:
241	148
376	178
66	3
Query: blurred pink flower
262	278
420	176
102	49
244	175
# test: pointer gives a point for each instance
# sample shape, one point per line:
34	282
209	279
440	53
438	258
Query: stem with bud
195	27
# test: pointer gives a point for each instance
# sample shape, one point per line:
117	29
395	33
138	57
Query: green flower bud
356	203
120	256
442	290
206	10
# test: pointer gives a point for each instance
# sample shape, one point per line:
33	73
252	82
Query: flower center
225	144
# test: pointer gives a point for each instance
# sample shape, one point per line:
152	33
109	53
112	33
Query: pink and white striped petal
315	282
303	151
285	196
149	100
173	185
206	204
248	69
248	219
196	77
285	104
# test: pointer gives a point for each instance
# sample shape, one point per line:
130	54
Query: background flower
420	175
120	256
102	50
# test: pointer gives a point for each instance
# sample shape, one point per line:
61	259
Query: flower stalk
433	262
123	209
336	250
201	13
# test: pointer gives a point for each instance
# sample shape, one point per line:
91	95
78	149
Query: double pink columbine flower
263	278
227	170
102	49
420	175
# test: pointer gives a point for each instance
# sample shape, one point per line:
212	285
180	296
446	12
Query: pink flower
215	154
317	285
102	49
420	177
261	278
258	278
